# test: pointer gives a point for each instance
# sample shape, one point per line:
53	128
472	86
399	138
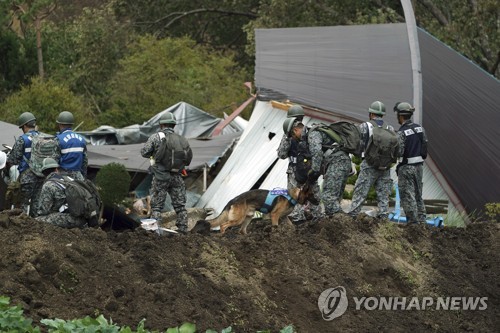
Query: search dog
240	210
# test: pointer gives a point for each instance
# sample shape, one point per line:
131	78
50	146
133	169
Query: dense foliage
113	182
128	59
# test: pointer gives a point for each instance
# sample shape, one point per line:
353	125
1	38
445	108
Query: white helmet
3	159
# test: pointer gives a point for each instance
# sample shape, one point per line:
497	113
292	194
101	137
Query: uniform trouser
298	211
410	190
31	185
175	187
334	182
367	177
63	220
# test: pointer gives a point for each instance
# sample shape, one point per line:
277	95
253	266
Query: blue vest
27	150
72	149
271	196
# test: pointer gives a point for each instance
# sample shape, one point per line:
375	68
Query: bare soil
265	280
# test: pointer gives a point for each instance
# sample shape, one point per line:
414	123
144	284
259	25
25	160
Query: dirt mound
266	280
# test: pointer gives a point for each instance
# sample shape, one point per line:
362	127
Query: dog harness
272	195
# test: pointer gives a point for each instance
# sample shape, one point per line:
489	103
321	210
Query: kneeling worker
52	206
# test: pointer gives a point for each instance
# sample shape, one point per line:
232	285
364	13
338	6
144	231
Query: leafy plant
492	211
12	318
184	328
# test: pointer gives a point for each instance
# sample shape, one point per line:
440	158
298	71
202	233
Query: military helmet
377	107
65	118
404	108
288	124
25	118
295	111
49	163
167	118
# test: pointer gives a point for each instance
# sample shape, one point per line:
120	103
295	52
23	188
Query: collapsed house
337	72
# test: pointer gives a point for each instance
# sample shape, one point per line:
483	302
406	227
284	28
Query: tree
85	52
213	23
160	73
46	99
16	55
468	26
34	12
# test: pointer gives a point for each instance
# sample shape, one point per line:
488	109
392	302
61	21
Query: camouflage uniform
166	182
288	149
30	183
369	176
52	206
336	166
410	170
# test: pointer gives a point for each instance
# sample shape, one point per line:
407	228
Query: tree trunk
38	27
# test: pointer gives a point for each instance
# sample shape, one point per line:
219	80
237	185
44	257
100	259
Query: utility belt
412	160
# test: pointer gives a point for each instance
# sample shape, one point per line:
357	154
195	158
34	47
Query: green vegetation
492	211
113	182
13	320
46	99
118	62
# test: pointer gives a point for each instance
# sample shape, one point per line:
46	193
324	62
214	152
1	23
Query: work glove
313	176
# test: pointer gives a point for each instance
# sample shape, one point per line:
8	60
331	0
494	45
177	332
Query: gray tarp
191	123
205	152
343	69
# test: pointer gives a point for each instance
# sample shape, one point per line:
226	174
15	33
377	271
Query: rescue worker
72	147
413	150
20	155
288	149
335	165
52	206
368	175
166	181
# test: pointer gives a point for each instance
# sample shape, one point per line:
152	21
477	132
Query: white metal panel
251	158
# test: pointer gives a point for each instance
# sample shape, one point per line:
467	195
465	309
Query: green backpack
382	148
174	152
82	197
42	146
347	135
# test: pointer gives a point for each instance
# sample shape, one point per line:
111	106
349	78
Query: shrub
113	181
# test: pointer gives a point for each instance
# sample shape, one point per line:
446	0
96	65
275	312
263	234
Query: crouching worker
52	207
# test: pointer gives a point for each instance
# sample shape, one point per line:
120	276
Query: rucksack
347	135
303	163
382	148
82	197
174	152
42	146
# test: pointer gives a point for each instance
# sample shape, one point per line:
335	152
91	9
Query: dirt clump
266	280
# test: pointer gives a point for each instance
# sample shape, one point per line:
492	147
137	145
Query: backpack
347	135
382	148
174	152
42	146
82	197
303	163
